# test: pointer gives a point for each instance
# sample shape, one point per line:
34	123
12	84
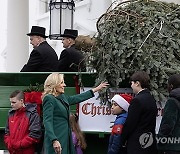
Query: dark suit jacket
42	59
141	120
70	59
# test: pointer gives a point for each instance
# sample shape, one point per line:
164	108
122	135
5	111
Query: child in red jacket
23	129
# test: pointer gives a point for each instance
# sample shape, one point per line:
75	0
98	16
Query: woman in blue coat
58	138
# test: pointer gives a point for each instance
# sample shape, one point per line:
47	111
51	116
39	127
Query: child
23	129
139	130
77	135
120	104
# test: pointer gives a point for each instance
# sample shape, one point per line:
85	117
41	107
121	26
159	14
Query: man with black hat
71	59
43	58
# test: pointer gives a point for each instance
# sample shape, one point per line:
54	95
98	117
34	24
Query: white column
17	40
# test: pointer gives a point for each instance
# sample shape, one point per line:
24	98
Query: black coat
70	59
42	59
139	128
170	123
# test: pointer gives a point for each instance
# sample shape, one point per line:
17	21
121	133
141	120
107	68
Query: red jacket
23	130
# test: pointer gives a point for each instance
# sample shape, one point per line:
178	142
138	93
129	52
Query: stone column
17	40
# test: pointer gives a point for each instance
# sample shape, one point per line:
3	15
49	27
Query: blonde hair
51	82
76	129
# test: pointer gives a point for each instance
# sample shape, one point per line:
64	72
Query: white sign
95	117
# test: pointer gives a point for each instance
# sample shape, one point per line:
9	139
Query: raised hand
100	87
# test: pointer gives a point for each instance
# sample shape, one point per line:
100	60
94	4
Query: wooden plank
3	115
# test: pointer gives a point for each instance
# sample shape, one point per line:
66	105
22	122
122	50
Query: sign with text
95	117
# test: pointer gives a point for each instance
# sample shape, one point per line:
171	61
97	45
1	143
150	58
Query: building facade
21	15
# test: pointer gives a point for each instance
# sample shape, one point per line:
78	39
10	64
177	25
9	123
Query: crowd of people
23	128
133	131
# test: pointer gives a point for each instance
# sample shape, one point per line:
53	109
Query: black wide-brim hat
70	33
38	31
